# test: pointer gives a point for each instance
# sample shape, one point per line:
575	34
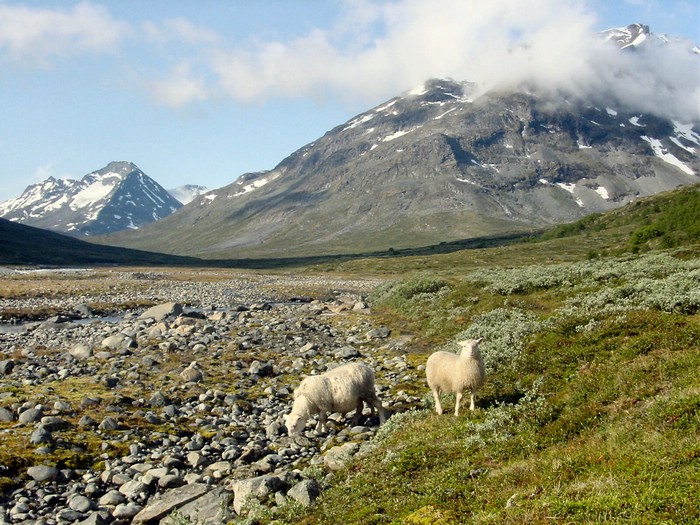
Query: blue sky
202	91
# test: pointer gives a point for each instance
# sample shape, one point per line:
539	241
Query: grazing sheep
338	390
449	372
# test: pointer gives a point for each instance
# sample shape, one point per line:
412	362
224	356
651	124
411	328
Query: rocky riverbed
176	409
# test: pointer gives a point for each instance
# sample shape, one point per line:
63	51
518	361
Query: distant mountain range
437	164
117	197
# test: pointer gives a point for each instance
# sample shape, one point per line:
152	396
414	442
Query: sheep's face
294	423
470	346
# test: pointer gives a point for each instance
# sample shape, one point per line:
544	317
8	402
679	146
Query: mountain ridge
118	196
434	165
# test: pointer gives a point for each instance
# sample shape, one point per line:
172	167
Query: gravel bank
180	406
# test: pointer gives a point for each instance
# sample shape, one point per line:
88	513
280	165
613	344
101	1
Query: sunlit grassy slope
591	412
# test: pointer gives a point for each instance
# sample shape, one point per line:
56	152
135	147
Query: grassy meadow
591	410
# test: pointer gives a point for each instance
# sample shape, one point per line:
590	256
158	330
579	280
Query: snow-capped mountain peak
119	196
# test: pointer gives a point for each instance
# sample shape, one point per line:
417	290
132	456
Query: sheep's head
294	423
470	347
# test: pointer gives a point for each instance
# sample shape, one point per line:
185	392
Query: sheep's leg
358	412
380	409
458	396
436	396
472	406
321	426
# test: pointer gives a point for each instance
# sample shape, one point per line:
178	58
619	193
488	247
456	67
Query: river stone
126	511
305	492
41	435
112	498
192	374
248	490
212	508
338	456
115	341
161	311
80	503
133	488
31	415
95	518
53	423
378	333
6	415
81	351
6	366
163	504
42	473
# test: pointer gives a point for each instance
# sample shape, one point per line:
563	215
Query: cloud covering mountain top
375	49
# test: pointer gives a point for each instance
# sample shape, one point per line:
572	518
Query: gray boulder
163	504
305	492
161	311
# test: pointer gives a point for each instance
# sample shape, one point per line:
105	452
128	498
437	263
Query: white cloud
179	88
33	36
179	30
378	50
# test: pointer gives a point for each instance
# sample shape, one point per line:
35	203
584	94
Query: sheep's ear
479	341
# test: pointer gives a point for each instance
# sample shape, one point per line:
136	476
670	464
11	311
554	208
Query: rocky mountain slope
119	196
436	165
443	162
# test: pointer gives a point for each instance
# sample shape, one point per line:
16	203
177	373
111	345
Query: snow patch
611	112
92	193
686	132
570	187
398	134
635	122
603	192
443	114
385	106
664	155
359	120
583	146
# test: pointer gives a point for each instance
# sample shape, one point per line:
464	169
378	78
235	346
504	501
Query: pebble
185	398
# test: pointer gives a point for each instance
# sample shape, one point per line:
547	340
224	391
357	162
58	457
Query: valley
591	350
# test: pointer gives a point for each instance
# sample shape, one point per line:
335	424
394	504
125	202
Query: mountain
440	163
188	192
638	36
119	196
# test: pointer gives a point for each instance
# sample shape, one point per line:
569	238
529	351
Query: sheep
338	390
449	372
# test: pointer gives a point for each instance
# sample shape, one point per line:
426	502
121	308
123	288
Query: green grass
591	410
587	417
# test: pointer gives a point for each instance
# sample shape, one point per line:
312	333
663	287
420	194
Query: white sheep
338	390
455	373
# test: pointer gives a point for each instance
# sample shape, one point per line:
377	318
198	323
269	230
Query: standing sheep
338	390
449	372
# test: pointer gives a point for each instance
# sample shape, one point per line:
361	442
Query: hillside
592	407
29	245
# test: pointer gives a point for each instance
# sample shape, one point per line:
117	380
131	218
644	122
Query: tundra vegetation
591	409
